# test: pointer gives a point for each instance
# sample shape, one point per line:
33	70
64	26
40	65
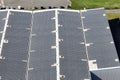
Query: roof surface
56	44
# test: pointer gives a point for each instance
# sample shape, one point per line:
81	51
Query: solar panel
42	55
3	15
101	49
106	74
73	64
37	45
15	50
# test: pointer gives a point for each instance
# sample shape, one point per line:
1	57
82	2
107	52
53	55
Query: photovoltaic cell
13	67
72	65
102	47
42	56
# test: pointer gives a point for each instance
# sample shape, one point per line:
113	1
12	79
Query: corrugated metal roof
106	74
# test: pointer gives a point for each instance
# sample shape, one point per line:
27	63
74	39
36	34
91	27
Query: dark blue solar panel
72	65
13	67
102	47
3	15
42	56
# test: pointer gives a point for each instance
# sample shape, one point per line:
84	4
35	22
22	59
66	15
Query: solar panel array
55	44
42	56
15	46
100	39
71	48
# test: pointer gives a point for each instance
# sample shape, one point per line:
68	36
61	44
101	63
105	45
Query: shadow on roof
115	29
94	77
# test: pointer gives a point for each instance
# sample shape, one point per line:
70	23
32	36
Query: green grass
113	15
108	4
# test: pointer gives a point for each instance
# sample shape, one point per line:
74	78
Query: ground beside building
30	4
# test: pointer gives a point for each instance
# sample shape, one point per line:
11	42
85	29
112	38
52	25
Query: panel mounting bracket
60	40
84	60
24	61
62	76
32	51
53	18
82	42
86	29
59	25
107	27
88	44
5	41
112	42
8	26
1	57
1	31
116	60
54	31
33	34
28	28
86	79
83	17
104	14
54	65
79	28
4	19
53	47
29	69
61	56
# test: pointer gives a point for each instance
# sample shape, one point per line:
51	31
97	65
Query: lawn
108	4
113	15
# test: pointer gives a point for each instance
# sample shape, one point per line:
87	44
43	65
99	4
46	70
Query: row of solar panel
30	53
14	52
